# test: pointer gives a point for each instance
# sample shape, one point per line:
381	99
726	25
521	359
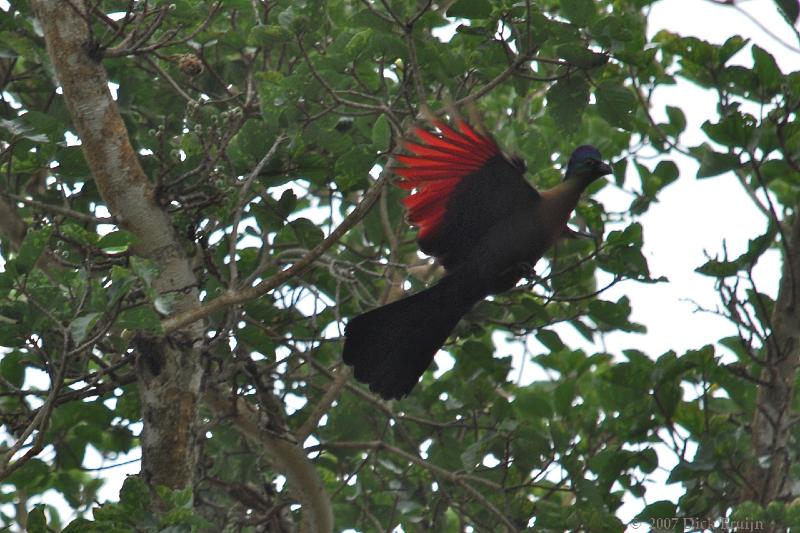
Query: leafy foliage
205	95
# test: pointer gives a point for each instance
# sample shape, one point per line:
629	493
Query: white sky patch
72	139
691	220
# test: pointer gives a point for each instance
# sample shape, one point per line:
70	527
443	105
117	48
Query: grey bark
769	479
169	369
169	382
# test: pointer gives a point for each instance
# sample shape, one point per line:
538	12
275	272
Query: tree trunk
768	480
169	369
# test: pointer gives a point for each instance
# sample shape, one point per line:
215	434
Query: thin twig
61	210
39	422
245	294
169	79
489	86
242	202
324	404
443	473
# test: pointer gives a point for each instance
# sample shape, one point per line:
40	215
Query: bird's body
484	223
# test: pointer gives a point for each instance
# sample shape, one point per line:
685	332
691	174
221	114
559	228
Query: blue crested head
586	162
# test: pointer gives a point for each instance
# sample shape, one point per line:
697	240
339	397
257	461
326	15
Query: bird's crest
581	154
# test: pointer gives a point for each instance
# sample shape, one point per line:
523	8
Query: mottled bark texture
170	376
769	479
169	369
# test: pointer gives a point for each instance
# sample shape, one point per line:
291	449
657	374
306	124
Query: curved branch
287	457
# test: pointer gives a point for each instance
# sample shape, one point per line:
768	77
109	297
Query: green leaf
470	9
352	168
32	476
31	249
620	167
12	368
122	280
718	269
647	460
71	163
145	269
164	303
256	340
37	522
773	169
613	315
472	456
45	123
142	318
80	327
684	471
730	48
735	129
566	101
308	234
790	10
581	56
769	75
662	509
580	12
624	254
532	401
755	249
762	305
563	395
293	20
667	171
630	235
676	118
271	214
381	133
550	339
80	525
134	493
615	104
116	241
268	35
358	43
716	163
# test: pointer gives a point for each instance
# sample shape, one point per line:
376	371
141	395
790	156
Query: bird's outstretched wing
462	186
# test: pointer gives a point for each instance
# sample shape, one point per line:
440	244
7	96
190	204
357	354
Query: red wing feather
436	167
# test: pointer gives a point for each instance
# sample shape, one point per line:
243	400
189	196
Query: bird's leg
526	269
530	273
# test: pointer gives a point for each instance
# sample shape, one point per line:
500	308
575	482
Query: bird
483	222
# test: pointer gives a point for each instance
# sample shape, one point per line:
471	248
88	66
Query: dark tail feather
391	346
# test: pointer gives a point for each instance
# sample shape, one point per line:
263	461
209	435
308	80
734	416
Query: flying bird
484	223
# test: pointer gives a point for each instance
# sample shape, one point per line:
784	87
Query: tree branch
287	456
170	394
233	297
435	469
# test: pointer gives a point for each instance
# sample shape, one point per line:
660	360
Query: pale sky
693	216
